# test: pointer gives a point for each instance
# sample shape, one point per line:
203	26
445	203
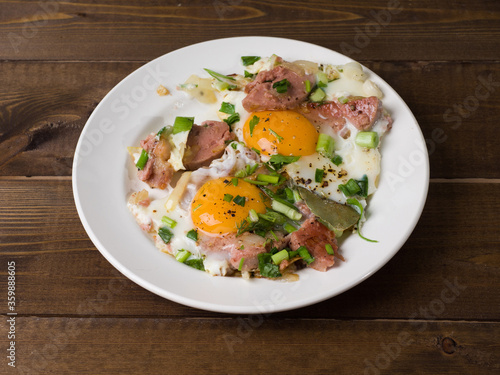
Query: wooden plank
60	271
256	345
42	113
386	30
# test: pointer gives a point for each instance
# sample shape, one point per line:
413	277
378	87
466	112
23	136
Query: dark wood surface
433	309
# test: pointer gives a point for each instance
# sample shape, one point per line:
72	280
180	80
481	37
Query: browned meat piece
205	143
362	113
247	246
262	96
314	236
157	172
327	113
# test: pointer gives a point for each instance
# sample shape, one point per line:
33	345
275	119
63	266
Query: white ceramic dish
133	109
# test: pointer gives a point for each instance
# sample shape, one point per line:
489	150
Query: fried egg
220	205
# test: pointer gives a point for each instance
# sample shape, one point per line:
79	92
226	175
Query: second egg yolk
280	132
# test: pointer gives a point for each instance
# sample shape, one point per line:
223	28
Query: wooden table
433	309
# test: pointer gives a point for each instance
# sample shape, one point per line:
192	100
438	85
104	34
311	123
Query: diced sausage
314	236
157	172
362	113
262	96
206	142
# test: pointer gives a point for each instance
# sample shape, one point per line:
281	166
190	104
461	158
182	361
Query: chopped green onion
182	255
343	100
289	194
325	145
350	188
277	198
234	145
268	217
249	60
253	168
254	217
318	175
218	76
256	151
195	263
227	108
165	234
268	178
194	209
273	217
285	210
228	197
329	249
239	200
241	264
274	235
278	137
255	182
305	255
241	173
248	74
247	171
289	227
182	124
363	185
254	121
344	190
143	159
355	202
234	181
232	119
367	139
293	253
266	267
160	132
308	85
337	160
317	95
277	161
192	235
296	196
280	257
169	222
322	79
281	86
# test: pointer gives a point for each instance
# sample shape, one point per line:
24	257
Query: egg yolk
217	209
280	132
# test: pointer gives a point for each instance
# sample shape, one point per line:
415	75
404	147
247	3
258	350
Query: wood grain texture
60	271
252	346
44	106
143	30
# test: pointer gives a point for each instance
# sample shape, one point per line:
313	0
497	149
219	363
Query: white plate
133	109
